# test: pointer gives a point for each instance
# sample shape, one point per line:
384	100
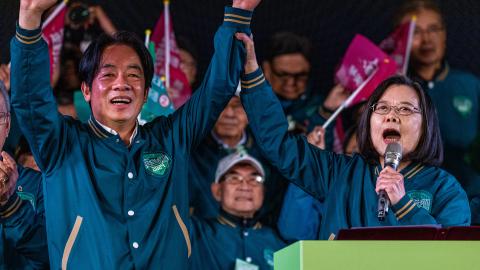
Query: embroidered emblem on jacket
26	196
463	105
156	163
422	198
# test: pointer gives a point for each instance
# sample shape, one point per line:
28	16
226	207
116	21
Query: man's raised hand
31	12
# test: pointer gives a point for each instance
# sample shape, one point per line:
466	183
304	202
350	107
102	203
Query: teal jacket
109	206
346	184
217	243
204	162
23	243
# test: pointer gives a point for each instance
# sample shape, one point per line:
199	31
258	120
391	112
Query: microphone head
393	155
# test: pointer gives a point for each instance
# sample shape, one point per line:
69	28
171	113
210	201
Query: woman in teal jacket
399	111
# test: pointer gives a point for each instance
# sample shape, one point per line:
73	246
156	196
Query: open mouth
121	100
243	198
391	135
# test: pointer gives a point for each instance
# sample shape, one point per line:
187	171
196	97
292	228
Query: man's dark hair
413	6
287	43
429	149
90	62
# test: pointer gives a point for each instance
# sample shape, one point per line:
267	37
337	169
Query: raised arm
32	97
302	163
196	118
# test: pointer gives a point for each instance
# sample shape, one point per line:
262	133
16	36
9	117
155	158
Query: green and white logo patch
26	196
463	105
422	198
156	164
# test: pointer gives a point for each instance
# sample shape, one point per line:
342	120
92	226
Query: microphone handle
383	205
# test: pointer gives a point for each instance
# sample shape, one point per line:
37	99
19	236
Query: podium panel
381	255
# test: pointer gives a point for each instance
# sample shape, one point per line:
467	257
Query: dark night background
330	25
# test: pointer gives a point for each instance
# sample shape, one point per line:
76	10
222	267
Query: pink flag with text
363	58
52	31
398	45
180	90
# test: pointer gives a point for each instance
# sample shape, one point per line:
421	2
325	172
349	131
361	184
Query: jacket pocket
183	228
71	240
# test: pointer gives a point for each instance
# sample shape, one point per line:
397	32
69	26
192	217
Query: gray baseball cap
226	163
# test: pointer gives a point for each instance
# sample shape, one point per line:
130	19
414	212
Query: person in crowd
116	193
22	222
69	79
287	68
455	92
230	134
235	239
11	141
398	111
188	59
84	22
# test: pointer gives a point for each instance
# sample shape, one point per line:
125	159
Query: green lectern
382	255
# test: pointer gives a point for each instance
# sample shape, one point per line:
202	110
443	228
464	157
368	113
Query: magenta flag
361	60
179	88
398	45
52	31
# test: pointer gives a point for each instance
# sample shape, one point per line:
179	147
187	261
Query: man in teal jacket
22	224
229	135
235	239
420	193
116	193
23	243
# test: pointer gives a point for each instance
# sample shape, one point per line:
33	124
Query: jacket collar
234	221
408	172
103	131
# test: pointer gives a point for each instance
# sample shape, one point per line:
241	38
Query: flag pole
349	100
411	31
148	33
54	13
166	12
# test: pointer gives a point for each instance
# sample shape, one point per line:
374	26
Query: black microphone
393	155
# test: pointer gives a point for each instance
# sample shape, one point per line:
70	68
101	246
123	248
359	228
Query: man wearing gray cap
235	239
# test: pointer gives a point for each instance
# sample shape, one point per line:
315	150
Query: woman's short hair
429	149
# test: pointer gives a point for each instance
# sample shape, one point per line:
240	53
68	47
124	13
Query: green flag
158	103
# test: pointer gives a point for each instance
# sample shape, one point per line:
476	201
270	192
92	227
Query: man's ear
216	191
267	70
86	91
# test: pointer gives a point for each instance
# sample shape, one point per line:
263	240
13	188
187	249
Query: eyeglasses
3	117
236	179
430	31
404	109
297	77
